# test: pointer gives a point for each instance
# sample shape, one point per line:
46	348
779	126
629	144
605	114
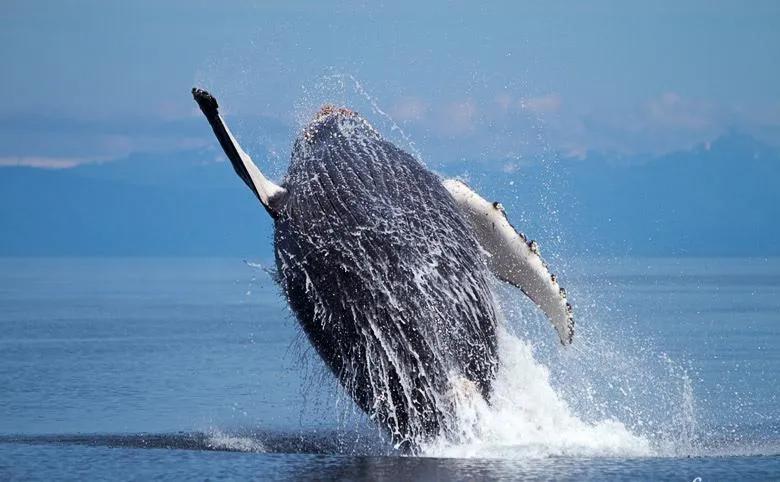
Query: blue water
156	368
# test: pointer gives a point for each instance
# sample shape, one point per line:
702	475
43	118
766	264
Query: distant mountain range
721	199
718	199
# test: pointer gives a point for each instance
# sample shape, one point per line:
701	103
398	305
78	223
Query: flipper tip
206	102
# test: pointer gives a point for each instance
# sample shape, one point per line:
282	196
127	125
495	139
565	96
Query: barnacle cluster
348	124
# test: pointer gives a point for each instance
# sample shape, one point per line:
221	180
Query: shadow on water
320	442
352	444
332	455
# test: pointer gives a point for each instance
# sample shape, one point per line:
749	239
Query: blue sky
619	127
99	80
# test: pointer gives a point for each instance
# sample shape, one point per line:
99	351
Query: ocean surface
155	368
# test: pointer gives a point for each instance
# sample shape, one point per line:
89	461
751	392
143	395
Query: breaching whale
388	270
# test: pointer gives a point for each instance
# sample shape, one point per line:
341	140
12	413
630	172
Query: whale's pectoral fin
512	258
271	195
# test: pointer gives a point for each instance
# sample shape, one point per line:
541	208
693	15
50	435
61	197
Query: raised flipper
512	258
271	195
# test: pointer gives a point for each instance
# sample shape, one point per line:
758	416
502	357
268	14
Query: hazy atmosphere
352	240
671	111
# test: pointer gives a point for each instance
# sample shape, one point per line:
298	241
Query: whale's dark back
384	276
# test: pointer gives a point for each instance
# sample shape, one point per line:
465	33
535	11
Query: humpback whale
388	270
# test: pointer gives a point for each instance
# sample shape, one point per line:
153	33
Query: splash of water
218	440
599	398
606	395
526	417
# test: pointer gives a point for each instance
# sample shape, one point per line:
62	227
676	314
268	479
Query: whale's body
385	276
387	269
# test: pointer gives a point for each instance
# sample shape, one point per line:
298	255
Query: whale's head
331	123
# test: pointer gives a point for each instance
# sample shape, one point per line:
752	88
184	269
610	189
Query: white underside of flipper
269	194
512	258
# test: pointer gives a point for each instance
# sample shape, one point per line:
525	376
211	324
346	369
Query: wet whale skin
385	277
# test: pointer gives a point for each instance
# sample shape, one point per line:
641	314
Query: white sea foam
218	440
527	418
